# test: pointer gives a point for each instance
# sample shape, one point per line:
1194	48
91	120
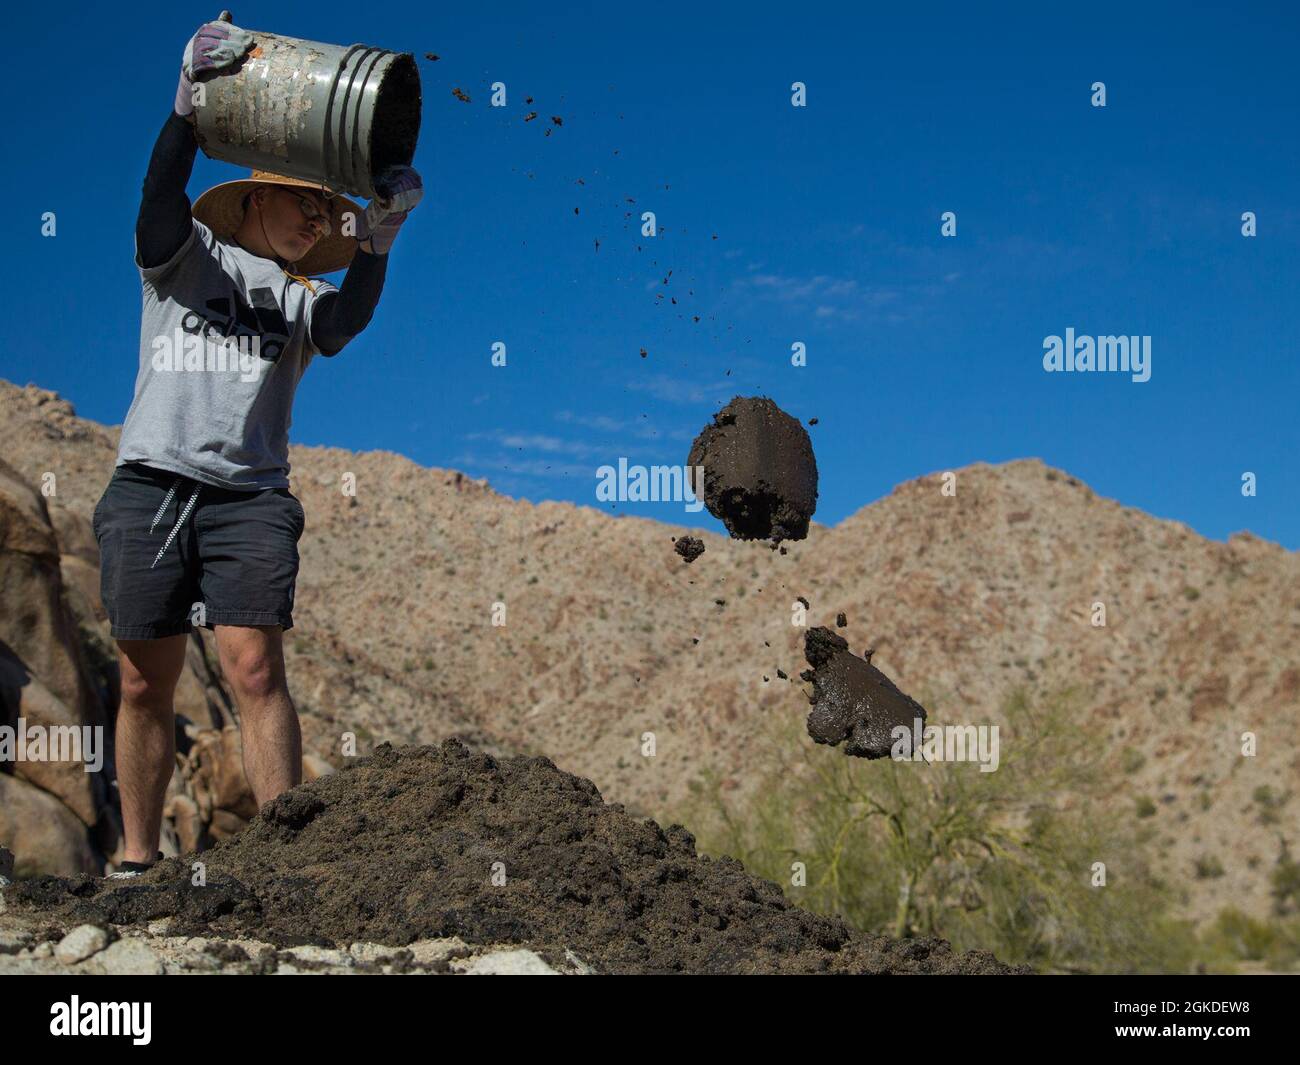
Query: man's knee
142	692
255	669
256	677
148	675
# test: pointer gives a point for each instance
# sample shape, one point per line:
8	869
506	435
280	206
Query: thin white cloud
682	390
522	466
602	422
534	442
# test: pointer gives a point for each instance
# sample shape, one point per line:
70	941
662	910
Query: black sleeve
164	224
341	315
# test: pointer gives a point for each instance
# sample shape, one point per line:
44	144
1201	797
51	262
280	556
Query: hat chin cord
267	237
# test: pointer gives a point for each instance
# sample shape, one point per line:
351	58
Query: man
198	512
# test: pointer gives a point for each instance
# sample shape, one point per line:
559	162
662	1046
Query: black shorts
175	553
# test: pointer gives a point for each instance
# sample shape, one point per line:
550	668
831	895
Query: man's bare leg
146	737
252	659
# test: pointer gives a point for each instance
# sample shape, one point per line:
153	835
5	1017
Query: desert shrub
1131	760
1269	803
1004	861
1285	883
1235	936
1208	867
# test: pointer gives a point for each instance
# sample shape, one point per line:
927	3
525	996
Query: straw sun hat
221	209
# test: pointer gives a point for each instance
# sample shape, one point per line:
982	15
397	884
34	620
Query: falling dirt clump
689	548
760	475
841	620
423	842
853	702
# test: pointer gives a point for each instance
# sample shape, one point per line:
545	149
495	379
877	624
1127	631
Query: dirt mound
760	476
425	842
853	702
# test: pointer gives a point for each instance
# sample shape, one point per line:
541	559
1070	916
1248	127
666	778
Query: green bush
1004	861
1238	937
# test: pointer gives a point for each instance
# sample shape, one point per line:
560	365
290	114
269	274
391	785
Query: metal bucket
321	112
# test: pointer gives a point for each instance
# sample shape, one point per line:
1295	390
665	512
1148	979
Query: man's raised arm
163	224
342	315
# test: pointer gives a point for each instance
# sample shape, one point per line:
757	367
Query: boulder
36	623
80	791
75	535
215	774
44	835
183	813
314	767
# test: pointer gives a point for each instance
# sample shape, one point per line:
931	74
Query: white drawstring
166	499
185	513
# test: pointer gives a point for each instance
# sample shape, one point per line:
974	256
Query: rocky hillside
608	635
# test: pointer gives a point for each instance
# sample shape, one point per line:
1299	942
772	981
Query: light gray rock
131	957
312	955
23	965
12	940
504	963
580	967
371	952
430	951
197	961
79	944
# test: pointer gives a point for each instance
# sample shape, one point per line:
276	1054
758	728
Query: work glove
217	48
398	189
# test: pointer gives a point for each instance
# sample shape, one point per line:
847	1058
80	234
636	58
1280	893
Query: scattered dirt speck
690	548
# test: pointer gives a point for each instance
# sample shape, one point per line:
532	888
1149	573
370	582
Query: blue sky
779	224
